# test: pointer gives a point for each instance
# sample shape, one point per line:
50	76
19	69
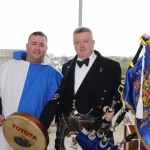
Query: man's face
36	49
84	44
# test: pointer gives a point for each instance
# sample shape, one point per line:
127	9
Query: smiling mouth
82	49
36	52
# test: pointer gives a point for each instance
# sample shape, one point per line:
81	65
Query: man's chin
37	60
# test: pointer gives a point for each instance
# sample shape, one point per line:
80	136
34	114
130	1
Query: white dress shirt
80	73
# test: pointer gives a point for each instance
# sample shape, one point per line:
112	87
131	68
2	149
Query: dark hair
37	33
82	29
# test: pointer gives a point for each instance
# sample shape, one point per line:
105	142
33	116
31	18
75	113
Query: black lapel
71	67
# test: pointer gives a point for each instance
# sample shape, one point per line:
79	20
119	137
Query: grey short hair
82	29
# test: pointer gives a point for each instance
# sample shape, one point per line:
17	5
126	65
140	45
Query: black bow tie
80	63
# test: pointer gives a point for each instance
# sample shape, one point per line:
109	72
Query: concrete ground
52	135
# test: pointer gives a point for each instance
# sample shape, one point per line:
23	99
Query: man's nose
37	46
81	44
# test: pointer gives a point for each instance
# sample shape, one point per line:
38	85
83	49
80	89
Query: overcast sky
117	24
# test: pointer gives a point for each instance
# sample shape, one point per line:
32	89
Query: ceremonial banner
137	91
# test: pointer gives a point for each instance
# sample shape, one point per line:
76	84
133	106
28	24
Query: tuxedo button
99	106
102	98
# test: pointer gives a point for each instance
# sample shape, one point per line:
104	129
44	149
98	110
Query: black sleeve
48	113
0	106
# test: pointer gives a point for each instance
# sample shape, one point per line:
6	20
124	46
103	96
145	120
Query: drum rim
34	121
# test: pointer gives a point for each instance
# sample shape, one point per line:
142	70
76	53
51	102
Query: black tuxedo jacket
97	89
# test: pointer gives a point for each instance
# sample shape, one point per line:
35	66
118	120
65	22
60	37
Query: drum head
24	132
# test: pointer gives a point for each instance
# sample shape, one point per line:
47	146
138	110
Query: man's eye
42	45
76	42
33	43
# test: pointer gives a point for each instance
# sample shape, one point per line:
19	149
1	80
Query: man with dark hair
28	83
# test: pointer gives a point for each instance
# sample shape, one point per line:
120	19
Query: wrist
1	119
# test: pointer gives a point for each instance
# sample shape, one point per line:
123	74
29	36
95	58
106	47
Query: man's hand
1	120
108	115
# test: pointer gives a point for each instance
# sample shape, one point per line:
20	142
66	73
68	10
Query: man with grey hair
87	89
